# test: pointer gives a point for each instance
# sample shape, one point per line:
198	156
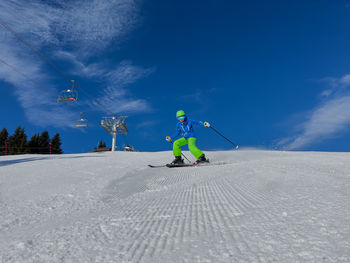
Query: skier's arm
201	123
176	133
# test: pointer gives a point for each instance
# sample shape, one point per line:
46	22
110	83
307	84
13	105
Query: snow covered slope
260	206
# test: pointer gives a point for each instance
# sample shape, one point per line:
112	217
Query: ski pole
235	145
182	154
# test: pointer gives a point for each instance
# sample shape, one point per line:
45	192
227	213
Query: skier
185	128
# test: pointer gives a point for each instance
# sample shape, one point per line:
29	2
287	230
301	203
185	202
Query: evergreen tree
3	137
33	146
56	144
44	143
101	145
17	142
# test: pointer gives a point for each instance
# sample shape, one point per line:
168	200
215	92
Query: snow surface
253	206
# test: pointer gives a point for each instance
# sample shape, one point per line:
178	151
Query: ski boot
178	160
202	159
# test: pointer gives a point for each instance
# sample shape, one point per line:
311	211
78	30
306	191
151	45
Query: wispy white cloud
126	73
74	31
335	85
325	121
86	25
115	97
78	67
92	25
36	98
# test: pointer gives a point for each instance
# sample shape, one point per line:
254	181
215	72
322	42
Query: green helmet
180	113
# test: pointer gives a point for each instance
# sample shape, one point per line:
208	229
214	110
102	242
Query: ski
195	164
157	166
169	165
182	165
174	165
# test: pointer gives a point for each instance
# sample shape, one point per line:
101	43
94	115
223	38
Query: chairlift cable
36	82
20	73
94	100
4	24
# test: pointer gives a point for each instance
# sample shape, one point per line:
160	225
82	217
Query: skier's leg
193	148
177	146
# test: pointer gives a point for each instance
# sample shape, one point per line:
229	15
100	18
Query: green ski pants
191	146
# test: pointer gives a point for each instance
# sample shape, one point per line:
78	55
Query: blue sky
271	74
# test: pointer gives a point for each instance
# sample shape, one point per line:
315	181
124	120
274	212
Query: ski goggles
181	118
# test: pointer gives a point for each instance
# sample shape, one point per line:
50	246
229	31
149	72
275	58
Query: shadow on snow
32	159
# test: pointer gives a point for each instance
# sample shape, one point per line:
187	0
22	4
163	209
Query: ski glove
206	124
168	138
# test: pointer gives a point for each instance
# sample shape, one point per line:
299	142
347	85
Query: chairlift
68	95
128	148
81	123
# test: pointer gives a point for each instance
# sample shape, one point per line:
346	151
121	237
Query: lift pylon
114	125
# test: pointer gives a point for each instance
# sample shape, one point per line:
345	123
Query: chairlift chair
81	123
128	148
68	95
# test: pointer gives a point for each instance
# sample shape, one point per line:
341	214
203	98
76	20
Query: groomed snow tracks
198	211
259	207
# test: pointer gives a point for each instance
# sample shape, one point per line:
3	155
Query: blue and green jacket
185	129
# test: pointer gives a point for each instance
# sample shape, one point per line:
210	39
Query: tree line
17	143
